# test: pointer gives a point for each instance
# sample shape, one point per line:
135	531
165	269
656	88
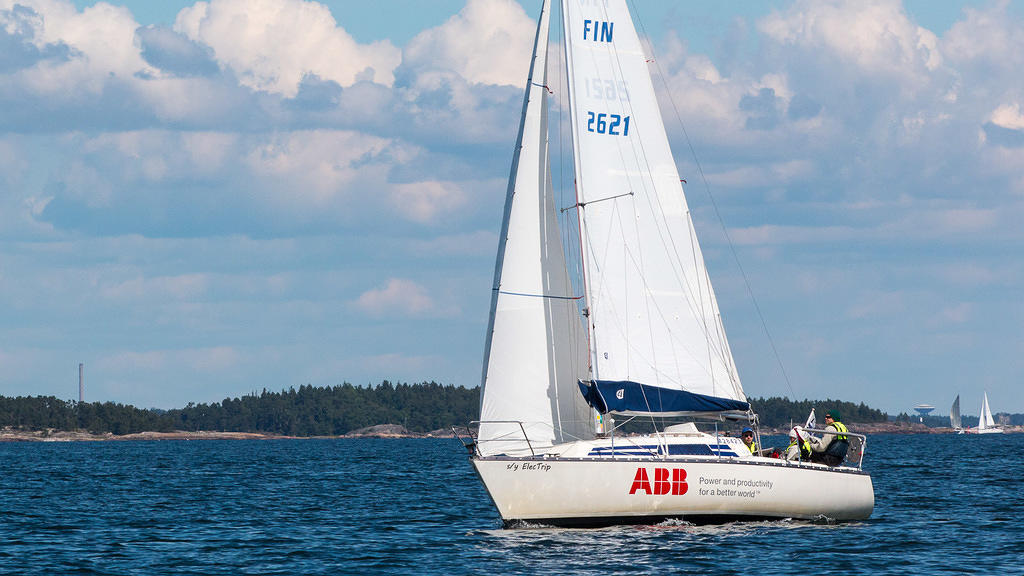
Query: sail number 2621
612	124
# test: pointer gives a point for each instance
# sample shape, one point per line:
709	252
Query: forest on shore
328	411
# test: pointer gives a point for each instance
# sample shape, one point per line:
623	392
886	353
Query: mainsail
657	342
536	347
954	414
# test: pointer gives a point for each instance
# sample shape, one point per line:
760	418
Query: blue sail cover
626	397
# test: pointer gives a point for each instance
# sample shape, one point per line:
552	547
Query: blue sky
201	200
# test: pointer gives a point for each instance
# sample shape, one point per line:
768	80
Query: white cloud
13	168
927	222
102	38
304	168
87	183
159	181
402	297
425	201
780	173
988	35
399	297
711	99
271	45
957	313
126	363
773	234
488	42
1008	116
468	244
874	35
202	102
208	151
875	304
216	358
131	361
181	287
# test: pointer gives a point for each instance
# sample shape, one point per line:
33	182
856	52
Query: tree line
330	411
306	411
778	412
336	410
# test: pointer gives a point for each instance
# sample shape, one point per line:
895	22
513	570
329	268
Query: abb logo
661	485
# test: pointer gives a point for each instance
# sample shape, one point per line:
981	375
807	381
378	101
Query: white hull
986	431
596	491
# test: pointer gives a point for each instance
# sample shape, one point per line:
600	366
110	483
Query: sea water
944	504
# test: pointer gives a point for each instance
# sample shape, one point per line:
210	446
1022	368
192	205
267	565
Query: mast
592	365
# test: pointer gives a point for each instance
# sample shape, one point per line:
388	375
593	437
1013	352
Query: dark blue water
944	505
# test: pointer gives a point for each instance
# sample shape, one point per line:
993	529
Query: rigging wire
707	189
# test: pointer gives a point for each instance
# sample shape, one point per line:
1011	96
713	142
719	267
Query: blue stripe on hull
673	450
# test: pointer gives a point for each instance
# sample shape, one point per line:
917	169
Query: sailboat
986	424
643	340
954	416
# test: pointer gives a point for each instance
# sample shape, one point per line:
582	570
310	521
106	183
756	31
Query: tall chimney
81	382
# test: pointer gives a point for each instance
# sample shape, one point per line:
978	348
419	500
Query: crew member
832	447
799	445
748	439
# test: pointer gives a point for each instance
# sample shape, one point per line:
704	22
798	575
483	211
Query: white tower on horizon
923	410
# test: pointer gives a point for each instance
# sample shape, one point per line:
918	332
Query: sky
201	200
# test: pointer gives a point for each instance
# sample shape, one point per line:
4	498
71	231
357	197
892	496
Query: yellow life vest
805	448
841	428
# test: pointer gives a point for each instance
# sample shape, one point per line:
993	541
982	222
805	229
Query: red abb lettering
662	484
640	482
679	485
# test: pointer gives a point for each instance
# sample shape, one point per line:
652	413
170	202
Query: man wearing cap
832	447
748	439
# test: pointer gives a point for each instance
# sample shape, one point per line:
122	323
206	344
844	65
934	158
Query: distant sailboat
954	416
986	425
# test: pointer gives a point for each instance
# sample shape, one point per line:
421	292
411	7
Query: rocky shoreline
380	431
387	431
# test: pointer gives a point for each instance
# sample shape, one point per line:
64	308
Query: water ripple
944	505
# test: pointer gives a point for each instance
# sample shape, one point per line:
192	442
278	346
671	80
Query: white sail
954	414
536	346
653	316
